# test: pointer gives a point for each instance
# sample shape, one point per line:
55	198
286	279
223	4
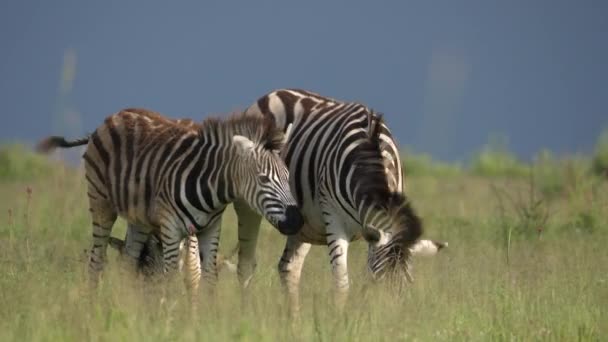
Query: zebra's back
128	157
324	134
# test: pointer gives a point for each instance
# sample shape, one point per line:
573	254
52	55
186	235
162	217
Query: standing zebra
172	177
345	172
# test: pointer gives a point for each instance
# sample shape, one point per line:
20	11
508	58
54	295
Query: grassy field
527	261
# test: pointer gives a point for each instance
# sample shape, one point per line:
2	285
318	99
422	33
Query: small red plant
540	230
28	191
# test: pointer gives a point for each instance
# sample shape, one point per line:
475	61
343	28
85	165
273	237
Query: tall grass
421	164
18	163
552	288
600	157
495	159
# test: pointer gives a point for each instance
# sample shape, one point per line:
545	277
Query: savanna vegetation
527	260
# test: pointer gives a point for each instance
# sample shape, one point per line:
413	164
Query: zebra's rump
322	153
342	160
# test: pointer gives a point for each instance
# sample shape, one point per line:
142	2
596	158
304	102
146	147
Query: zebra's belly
315	229
313	235
139	215
139	218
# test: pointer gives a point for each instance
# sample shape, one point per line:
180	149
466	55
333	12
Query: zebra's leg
171	237
290	270
337	243
208	245
192	267
135	240
249	229
103	217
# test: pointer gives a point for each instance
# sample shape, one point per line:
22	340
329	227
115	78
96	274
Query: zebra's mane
374	185
260	130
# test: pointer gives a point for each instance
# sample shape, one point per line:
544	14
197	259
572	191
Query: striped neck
214	171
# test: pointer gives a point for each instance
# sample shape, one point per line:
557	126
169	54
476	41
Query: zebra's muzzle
293	221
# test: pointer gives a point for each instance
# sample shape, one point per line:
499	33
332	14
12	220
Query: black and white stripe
175	177
345	172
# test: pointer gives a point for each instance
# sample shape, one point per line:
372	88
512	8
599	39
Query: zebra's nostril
293	221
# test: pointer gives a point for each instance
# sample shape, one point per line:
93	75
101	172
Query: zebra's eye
264	179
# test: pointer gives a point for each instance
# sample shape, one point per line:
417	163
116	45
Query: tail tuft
49	144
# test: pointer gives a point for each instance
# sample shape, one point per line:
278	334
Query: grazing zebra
345	172
172	177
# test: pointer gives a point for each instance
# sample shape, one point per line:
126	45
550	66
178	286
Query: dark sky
447	74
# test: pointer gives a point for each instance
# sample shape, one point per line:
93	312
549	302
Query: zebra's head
390	234
264	183
389	223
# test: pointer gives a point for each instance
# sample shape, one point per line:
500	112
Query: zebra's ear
243	144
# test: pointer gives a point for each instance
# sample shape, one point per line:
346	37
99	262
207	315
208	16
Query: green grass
496	281
495	160
418	164
18	163
600	156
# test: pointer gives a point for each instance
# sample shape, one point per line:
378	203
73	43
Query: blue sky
447	74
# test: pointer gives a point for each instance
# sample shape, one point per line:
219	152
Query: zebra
359	195
346	175
173	177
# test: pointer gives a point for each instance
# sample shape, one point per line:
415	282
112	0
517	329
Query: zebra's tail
49	144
